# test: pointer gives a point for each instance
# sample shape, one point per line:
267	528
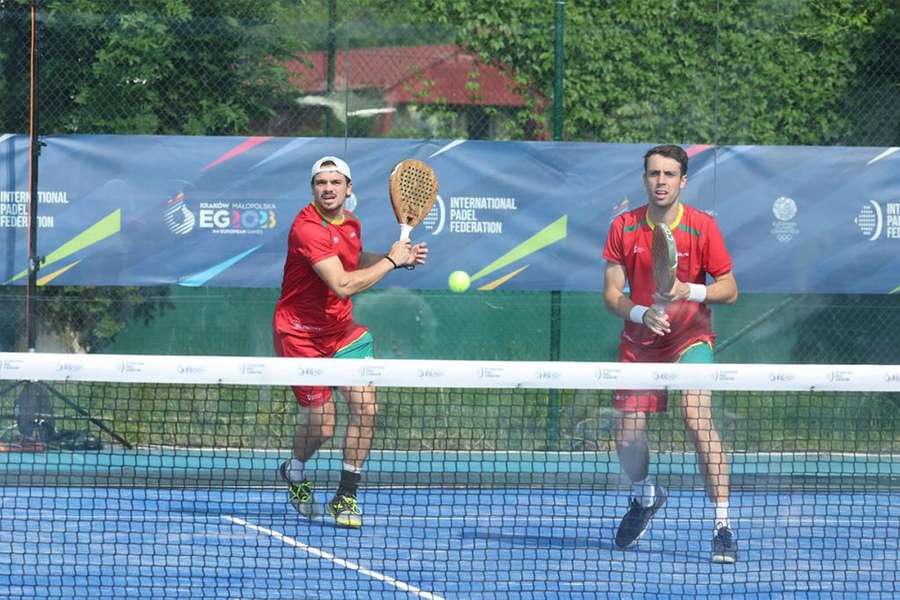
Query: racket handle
405	230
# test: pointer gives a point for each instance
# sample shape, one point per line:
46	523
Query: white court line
338	561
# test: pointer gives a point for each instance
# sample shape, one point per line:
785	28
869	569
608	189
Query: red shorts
657	400
641	400
354	341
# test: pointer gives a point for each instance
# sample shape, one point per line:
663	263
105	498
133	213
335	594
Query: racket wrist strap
391	260
636	314
697	292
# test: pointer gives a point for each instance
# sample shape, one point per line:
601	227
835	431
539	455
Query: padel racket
413	187
665	258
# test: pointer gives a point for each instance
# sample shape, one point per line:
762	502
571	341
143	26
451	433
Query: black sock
349	483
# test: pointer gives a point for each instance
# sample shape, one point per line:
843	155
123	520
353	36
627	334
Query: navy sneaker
724	546
637	519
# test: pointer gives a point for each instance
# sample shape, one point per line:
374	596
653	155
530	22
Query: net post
331	53
555	295
559	69
553	398
34	261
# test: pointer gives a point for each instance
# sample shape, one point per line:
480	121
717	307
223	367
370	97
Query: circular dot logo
869	220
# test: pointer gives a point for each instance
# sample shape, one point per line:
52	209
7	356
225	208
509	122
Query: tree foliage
164	66
196	67
813	72
704	71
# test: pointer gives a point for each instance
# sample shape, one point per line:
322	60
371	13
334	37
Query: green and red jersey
307	306
701	252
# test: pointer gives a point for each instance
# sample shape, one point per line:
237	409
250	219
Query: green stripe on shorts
701	353
362	347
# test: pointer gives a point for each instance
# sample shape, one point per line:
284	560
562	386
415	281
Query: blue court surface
129	542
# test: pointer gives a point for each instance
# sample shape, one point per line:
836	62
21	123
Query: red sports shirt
307	306
701	251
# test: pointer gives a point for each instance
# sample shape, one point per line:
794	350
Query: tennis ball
458	281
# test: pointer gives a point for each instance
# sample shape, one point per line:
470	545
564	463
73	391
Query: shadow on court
589	542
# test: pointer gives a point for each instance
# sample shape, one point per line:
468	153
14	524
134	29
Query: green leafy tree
13	66
873	102
165	66
724	71
197	67
368	24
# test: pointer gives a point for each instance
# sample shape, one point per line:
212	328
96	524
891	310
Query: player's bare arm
620	304
418	256
614	290
723	290
347	283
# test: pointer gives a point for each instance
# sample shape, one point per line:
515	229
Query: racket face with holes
413	187
665	258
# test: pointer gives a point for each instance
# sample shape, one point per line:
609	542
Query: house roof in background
420	74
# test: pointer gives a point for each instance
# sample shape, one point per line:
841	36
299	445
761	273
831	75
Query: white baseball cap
339	166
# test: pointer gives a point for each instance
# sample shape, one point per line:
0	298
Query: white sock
722	514
645	491
351	468
295	470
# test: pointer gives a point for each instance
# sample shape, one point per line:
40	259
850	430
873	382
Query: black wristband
391	260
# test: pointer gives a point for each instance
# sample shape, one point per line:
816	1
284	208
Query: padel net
485	477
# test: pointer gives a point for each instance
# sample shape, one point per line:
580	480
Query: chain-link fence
724	72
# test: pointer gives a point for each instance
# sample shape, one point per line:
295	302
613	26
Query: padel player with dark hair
673	326
324	268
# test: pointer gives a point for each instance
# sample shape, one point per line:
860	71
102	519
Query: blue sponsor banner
215	211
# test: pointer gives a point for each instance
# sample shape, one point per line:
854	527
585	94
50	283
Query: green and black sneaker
346	511
300	494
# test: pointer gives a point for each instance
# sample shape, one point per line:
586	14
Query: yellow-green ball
458	281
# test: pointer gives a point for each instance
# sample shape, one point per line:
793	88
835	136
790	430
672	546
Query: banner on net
216	211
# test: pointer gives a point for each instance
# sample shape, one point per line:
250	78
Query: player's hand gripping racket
664	256
665	259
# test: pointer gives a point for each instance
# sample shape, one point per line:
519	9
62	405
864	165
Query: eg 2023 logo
219	217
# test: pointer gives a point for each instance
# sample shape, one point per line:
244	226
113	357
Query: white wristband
697	292
636	315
